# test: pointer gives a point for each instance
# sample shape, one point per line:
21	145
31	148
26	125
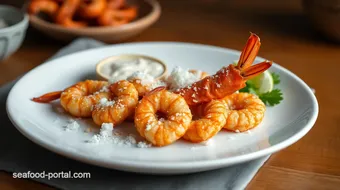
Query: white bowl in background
12	36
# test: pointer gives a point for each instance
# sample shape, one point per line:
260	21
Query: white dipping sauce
123	69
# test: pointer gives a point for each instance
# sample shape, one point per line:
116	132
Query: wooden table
287	38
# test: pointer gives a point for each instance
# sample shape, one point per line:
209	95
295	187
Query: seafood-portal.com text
51	175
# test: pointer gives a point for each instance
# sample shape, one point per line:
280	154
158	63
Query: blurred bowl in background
325	16
14	24
148	13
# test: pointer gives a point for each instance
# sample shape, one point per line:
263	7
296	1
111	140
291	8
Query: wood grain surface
287	38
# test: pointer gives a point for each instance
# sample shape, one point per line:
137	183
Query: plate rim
182	165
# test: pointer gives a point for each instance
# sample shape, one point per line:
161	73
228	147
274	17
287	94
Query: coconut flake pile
143	77
180	78
107	135
72	125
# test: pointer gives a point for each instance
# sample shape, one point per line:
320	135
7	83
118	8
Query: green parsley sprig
271	98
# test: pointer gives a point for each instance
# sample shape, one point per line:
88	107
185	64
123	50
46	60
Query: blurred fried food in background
84	13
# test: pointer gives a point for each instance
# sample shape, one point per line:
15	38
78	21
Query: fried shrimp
244	111
79	98
212	120
144	82
116	4
228	79
93	9
119	107
141	88
156	129
47	6
66	12
117	17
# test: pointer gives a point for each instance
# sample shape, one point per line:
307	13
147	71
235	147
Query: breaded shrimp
244	111
79	98
162	131
119	107
211	120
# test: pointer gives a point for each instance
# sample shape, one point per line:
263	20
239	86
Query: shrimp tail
249	52
248	56
255	70
47	97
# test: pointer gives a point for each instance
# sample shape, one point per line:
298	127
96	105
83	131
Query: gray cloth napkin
18	154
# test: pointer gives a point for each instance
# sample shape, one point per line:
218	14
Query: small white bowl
12	36
111	60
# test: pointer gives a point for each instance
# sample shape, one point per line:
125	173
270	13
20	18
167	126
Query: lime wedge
264	82
235	62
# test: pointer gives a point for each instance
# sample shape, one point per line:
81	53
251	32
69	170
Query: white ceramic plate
282	126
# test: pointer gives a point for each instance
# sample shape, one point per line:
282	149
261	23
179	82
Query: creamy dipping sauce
124	68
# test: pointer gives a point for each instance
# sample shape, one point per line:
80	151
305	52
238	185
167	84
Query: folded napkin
18	154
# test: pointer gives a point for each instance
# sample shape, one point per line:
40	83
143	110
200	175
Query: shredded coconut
104	89
106	129
144	77
148	126
107	135
218	85
72	125
142	144
104	102
180	78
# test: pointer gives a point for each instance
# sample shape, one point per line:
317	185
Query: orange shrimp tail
255	70
47	97
249	52
248	56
